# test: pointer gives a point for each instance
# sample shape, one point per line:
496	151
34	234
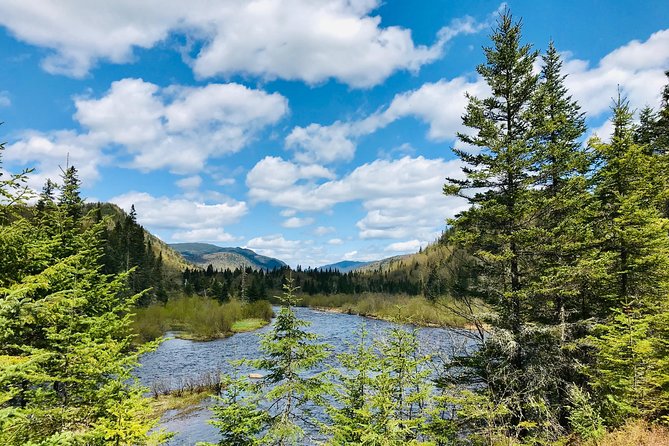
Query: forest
559	268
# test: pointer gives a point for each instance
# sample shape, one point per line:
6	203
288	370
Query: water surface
178	359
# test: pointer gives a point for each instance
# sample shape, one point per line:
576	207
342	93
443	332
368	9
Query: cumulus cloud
335	241
51	151
402	197
297	222
186	220
179	127
404	247
439	104
190	183
323	230
290	251
306	40
637	67
5	100
176	128
204	235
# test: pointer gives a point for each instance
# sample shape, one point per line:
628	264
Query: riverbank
200	319
241	326
415	310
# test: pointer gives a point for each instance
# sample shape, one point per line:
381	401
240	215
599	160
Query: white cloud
439	104
404	247
323	230
403	198
290	251
290	39
204	235
48	152
175	128
190	183
186	217
297	222
335	241
325	144
637	67
179	128
5	100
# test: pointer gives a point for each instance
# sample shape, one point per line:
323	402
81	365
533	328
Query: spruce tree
70	199
498	230
289	390
65	339
630	372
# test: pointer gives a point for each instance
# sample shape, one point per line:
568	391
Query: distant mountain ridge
344	266
221	258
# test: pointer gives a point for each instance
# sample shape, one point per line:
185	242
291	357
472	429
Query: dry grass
398	308
635	433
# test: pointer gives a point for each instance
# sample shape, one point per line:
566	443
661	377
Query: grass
634	433
248	324
398	308
182	404
196	318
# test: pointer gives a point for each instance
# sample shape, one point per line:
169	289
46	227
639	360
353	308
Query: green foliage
277	407
237	415
584	418
65	341
383	393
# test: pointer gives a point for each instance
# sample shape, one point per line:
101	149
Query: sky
313	131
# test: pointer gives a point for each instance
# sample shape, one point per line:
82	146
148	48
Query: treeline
66	345
249	284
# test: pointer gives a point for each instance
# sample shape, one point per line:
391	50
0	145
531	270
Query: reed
196	318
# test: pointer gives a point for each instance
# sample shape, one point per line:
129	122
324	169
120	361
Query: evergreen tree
630	373
46	197
498	229
70	199
288	391
65	341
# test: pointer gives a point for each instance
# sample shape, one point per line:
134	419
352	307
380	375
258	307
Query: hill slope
205	254
344	266
173	262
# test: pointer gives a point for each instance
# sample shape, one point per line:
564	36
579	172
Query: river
177	359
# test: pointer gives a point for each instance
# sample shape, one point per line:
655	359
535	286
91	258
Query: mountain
344	266
388	264
205	254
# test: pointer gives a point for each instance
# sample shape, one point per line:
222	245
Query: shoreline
340	310
241	326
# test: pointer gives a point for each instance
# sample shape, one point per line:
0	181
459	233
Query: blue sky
312	131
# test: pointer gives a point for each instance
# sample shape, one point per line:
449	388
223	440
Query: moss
249	324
